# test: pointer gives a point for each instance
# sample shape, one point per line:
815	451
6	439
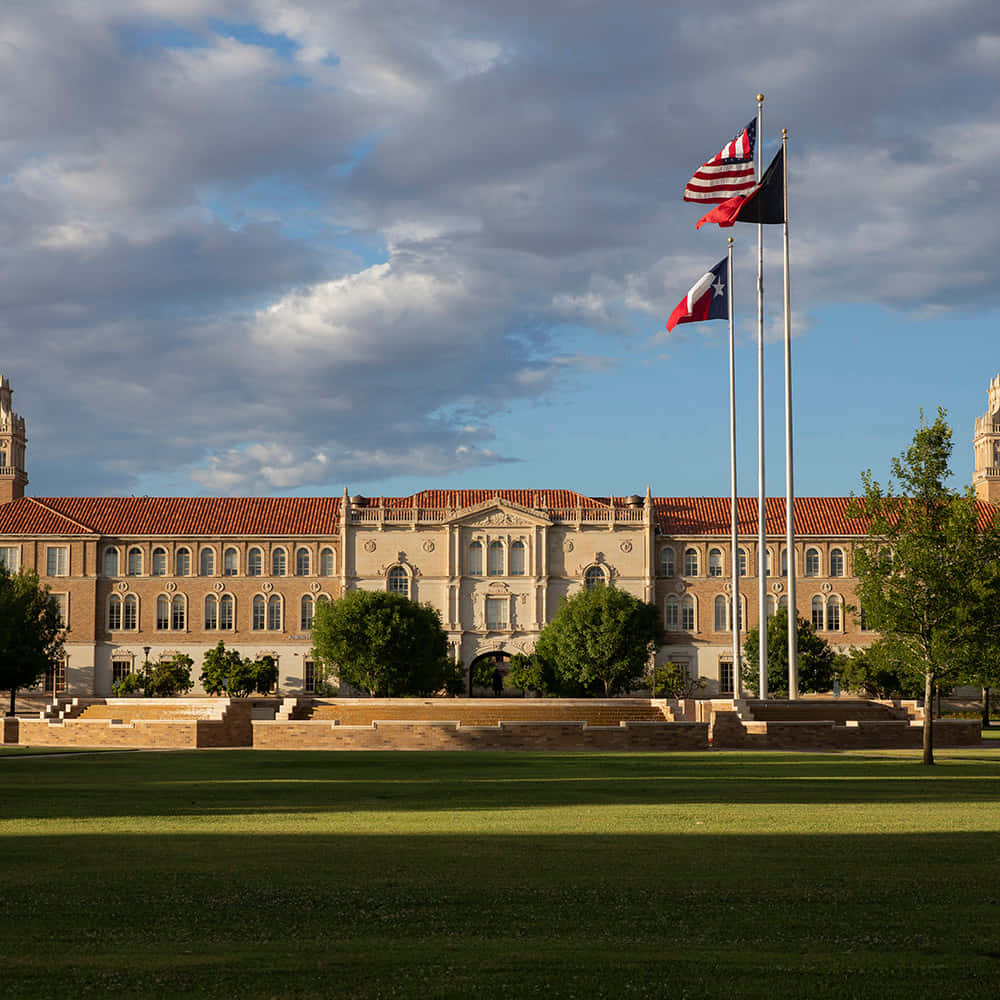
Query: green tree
872	671
926	573
815	657
383	643
218	665
170	677
601	637
530	673
671	680
31	631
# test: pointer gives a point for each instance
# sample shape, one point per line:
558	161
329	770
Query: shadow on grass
246	782
695	915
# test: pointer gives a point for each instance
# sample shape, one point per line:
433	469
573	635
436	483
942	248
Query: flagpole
793	644
761	520
733	550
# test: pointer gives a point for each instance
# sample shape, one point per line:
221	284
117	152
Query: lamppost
145	669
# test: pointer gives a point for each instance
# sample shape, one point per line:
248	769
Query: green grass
365	875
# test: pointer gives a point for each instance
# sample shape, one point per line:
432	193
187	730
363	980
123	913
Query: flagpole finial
730	241
784	133
760	98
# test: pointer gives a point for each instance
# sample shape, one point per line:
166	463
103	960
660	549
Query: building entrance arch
488	670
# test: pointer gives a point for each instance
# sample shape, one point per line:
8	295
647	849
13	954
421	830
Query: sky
264	247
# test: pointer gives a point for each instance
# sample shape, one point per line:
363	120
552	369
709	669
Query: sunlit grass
436	875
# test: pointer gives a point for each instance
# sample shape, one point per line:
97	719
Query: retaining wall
452	735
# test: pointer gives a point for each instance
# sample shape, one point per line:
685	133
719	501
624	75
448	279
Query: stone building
140	578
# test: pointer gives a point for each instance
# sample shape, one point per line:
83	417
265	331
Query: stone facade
147	577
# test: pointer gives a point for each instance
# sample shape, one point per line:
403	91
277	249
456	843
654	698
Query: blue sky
284	247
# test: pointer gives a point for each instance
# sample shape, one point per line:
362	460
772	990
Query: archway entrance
487	673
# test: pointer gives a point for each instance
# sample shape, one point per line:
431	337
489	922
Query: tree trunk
928	717
986	708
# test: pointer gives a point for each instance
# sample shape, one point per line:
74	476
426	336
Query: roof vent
359	501
634	500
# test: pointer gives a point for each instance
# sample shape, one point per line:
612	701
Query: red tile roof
171	516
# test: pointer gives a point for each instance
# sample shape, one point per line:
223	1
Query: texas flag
708	298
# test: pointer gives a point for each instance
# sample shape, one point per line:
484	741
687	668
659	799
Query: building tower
986	448
13	441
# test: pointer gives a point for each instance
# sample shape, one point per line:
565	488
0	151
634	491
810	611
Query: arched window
182	562
743	561
130	609
721	616
111	561
206	562
278	563
114	613
833	613
255	562
211	612
836	562
771	606
178	615
666	561
817	612
741	605
690	562
227	611
594	577
134	561
327	566
495	559
162	612
812	562
230	562
671	617
767	563
784	562
783	602
258	619
517	559
303	562
476	559
397	581
715	562
306	612
159	561
689	619
274	613
863	619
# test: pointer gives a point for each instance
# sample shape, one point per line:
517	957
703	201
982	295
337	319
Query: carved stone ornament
219	585
626	546
777	587
499	517
680	586
428	546
267	587
369	545
171	586
315	587
122	585
827	588
524	598
568	545
728	586
498	588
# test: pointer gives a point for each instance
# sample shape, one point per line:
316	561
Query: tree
31	631
927	572
872	671
225	671
601	637
671	680
218	665
529	673
170	677
815	657
383	643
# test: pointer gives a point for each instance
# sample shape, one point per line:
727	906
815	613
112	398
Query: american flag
730	172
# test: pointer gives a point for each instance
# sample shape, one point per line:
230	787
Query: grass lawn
375	875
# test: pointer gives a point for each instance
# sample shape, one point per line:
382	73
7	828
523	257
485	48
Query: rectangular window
309	680
496	612
59	678
62	602
120	669
726	676
10	556
57	560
